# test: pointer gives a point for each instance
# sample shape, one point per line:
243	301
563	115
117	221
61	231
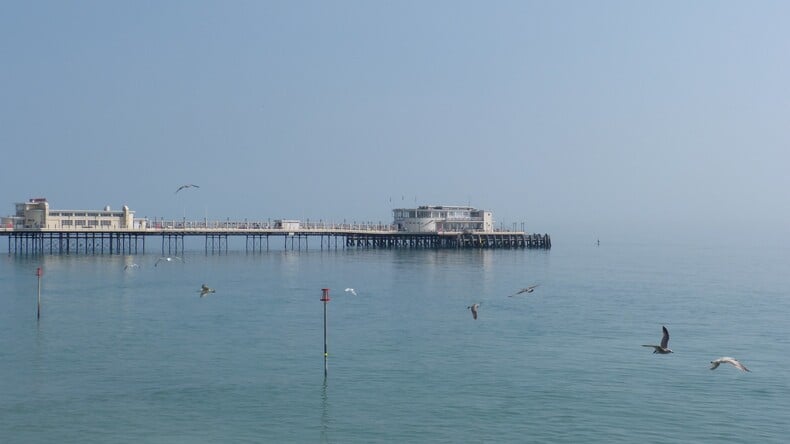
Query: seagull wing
740	366
714	364
735	363
189	185
665	338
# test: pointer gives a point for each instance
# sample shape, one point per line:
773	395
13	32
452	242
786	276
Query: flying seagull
128	266
204	290
167	259
728	360
352	291
474	308
663	349
529	289
189	185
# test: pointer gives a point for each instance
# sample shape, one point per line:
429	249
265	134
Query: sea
134	354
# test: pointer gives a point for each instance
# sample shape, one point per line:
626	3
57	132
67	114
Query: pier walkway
257	237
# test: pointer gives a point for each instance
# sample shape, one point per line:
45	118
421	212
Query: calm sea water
137	356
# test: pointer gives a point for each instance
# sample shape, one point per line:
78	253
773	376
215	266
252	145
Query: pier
170	237
37	229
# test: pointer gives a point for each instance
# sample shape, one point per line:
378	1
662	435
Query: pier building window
66	223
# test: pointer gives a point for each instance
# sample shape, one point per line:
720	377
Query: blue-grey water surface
131	356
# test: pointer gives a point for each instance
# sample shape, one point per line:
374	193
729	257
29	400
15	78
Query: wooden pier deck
257	237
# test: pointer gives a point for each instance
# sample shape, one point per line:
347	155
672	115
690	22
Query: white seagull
728	360
128	266
204	290
529	289
474	308
663	348
167	259
189	185
352	291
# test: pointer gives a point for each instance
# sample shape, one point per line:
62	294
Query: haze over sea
124	356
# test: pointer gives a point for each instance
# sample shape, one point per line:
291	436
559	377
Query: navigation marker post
39	273
325	299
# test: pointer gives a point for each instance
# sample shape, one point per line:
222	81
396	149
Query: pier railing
268	225
158	225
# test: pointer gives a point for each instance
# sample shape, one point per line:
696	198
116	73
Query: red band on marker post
325	295
39	273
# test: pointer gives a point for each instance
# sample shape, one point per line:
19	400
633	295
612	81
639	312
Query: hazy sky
583	119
